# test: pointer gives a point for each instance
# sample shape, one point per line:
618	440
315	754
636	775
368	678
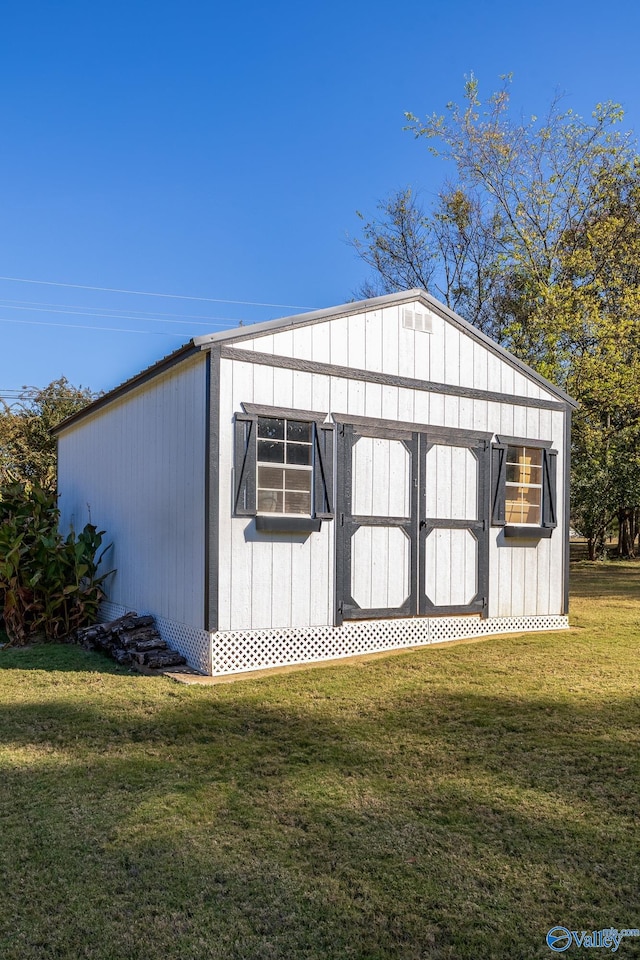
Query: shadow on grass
416	824
615	578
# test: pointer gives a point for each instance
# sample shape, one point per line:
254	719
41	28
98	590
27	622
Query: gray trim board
207	495
213	486
388	379
523	441
290	413
567	507
451	435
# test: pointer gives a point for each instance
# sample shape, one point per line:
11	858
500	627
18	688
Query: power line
83	326
139	313
112	316
144	293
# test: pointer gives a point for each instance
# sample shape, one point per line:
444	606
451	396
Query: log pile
131	641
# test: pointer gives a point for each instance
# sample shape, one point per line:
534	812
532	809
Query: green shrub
48	584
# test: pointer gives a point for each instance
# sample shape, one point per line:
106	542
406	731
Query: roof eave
182	353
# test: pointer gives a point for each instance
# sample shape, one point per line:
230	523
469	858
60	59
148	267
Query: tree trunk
626	533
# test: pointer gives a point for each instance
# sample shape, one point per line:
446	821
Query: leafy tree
27	449
537	243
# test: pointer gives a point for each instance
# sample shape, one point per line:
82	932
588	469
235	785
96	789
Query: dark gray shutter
498	483
549	500
244	504
323	470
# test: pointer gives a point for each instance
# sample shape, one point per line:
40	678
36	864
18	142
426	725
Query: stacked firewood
131	641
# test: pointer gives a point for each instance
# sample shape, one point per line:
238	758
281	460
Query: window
523	487
283	468
523	495
285	455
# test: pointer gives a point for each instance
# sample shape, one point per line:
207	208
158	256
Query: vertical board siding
525	578
380	567
381	478
450	575
137	469
376	340
270	580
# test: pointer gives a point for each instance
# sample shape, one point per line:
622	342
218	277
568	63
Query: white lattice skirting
243	650
240	651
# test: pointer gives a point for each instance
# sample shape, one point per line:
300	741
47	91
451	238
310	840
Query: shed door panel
412	525
453	536
378	550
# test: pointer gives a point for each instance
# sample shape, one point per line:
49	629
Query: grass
449	803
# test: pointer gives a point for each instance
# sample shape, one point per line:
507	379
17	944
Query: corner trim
213	490
567	507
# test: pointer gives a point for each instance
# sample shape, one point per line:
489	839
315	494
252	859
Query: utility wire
113	316
138	313
144	293
83	326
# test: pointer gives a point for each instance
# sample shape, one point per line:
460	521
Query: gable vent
416	320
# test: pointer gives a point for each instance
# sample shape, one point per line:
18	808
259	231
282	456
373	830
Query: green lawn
453	802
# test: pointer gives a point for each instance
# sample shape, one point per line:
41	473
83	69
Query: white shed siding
138	467
267	582
527	577
377	341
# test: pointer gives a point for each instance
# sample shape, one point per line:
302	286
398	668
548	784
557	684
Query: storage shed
363	478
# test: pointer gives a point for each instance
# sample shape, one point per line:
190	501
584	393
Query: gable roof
255	330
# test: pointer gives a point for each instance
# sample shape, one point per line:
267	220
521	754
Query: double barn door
412	522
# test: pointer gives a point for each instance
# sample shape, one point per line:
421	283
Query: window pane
271	427
271	477
530	474
270	452
513	454
297	430
523	504
513	473
270	501
299	453
531	513
298	503
298	480
513	511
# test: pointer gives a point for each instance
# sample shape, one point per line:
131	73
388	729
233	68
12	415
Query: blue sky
221	151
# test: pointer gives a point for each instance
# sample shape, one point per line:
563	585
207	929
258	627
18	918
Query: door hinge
342	519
